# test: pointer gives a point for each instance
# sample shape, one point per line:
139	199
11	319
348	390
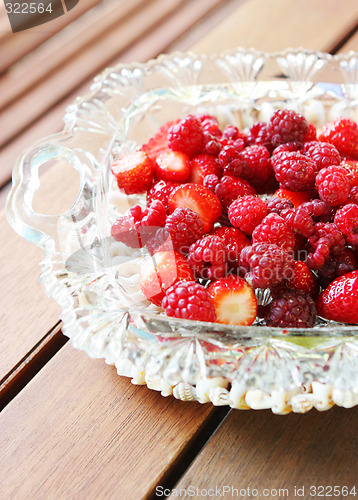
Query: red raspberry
138	226
299	220
247	212
336	265
288	147
258	135
346	219
323	154
353	195
266	265
275	230
319	210
187	136
210	125
230	160
276	205
211	181
231	132
311	134
212	146
182	228
161	191
208	257
287	126
326	240
189	300
343	133
257	169
333	185
351	167
234	240
294	171
230	188
293	309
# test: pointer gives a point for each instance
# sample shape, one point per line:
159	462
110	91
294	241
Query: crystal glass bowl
95	279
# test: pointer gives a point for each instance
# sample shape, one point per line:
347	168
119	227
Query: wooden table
71	428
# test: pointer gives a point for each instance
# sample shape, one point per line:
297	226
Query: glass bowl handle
35	227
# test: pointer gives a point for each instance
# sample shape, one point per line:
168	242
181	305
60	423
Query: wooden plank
259	450
90	433
205	25
14	47
26	313
55	53
31	364
90	61
272	25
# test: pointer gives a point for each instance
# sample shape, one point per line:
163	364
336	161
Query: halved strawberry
297	198
172	166
160	271
339	301
159	142
202	165
134	172
234	300
200	199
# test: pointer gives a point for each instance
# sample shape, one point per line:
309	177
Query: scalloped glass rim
98	126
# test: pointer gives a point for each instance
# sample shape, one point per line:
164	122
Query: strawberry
234	301
343	134
172	166
297	198
200	199
161	271
134	172
159	142
338	302
203	165
303	279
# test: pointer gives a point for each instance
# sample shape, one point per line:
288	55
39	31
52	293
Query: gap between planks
31	364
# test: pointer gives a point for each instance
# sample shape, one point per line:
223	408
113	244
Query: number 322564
27	8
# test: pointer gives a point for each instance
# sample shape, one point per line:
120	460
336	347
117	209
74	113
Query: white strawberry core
237	308
130	161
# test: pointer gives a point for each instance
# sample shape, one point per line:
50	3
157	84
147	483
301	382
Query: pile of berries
230	211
